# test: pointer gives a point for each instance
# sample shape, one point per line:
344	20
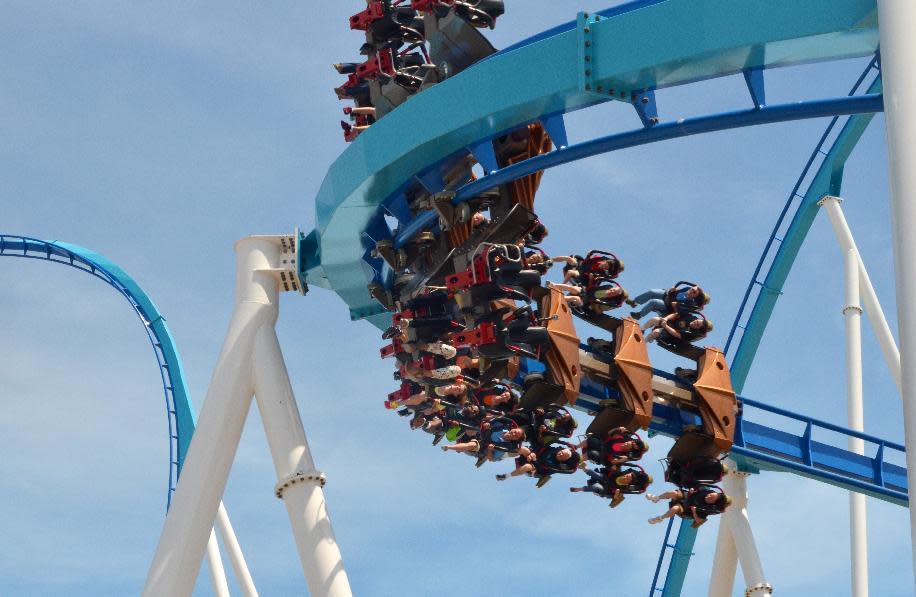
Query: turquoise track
541	79
180	411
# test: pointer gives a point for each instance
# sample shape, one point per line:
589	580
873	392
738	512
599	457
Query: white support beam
873	308
852	313
250	361
735	486
215	566
896	23
236	557
725	562
299	483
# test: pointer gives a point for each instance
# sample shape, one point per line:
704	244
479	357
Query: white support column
897	21
195	503
735	486
236	557
725	562
299	484
873	308
215	565
852	312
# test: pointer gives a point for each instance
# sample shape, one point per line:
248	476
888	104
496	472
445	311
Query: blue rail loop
660	132
180	412
793	194
827	180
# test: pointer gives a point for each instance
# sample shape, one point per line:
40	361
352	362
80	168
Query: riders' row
396	53
458	348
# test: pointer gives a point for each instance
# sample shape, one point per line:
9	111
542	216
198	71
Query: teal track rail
181	417
540	81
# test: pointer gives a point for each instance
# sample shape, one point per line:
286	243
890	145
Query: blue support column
680	559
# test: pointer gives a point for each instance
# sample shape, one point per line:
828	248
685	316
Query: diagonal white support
724	563
250	361
215	566
873	308
236	557
735	486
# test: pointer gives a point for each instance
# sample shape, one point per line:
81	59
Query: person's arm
667	325
697	521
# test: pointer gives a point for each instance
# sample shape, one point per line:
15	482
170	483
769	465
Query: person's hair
641	479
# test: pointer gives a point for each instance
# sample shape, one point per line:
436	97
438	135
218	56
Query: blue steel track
180	412
635	49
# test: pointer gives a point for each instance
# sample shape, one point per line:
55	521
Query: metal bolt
588	87
600	88
587	30
588	58
588	73
588	44
645	99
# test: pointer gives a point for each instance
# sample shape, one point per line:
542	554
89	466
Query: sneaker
438	438
634	314
480	461
542	481
500	477
631	302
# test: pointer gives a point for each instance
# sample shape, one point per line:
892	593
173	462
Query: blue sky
159	134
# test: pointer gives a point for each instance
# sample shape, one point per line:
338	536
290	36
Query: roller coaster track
180	412
621	54
779	252
367	182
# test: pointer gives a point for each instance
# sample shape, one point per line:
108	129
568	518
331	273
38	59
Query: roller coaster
426	227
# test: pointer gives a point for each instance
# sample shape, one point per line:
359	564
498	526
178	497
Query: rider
619	445
697	504
545	461
676	328
586	271
613	483
678	299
